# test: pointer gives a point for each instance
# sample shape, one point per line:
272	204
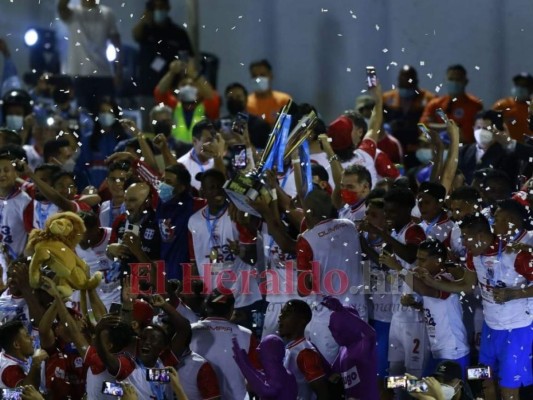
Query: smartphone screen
424	129
371	78
225	125
160	375
240	121
396	382
475	373
440	112
417	386
115	308
238	156
132	228
12	394
112	389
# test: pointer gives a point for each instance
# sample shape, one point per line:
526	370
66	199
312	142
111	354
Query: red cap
340	131
521	197
142	312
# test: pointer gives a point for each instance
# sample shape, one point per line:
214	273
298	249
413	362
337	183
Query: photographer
446	384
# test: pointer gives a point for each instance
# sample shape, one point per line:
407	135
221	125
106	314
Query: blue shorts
508	353
382	336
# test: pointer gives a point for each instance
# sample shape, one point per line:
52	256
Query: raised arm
450	165
336	169
376	119
64	10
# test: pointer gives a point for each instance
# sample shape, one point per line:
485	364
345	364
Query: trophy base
244	188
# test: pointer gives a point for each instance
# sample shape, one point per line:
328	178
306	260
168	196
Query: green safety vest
182	131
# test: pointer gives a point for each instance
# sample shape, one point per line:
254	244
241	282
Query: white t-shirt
193	165
34	159
89	32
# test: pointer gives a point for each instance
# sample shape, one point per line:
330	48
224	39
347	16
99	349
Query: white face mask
14	122
483	137
261	84
447	391
106	119
188	93
424	155
69	165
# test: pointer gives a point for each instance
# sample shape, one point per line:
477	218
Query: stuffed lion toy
53	248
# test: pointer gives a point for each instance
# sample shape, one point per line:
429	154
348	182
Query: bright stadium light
31	37
111	53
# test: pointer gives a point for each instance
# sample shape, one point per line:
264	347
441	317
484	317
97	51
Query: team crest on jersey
167	230
149	234
78	362
459	113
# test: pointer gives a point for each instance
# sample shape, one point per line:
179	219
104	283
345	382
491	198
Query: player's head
431	256
510	219
219	305
356	183
294	317
318	207
431	197
16	340
476	234
450	376
399	202
137	200
154	341
464	201
212	188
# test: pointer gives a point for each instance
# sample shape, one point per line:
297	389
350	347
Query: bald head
136	197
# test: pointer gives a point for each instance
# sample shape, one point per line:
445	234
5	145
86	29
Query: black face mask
164	127
235	106
61	97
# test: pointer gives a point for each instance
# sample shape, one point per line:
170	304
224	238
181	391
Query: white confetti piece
377	27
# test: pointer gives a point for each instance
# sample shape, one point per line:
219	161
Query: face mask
188	93
521	93
160	16
349	197
69	165
406	93
447	391
235	106
424	155
261	84
165	191
164	127
455	88
14	122
106	119
483	137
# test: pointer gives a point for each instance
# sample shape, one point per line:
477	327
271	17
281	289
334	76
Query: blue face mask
455	88
407	93
165	191
521	93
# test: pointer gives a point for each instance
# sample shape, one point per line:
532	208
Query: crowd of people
381	260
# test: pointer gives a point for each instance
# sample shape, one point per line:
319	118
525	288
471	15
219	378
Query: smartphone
160	375
132	228
477	373
115	308
112	389
371	78
440	112
417	386
225	125
396	382
238	156
240	122
12	394
424	129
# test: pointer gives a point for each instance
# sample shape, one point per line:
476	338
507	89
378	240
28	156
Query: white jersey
212	339
42	210
456	242
190	366
355	213
211	235
34	158
8	361
281	275
439	229
380	298
89	31
496	269
108	213
97	261
444	324
13	308
296	354
524	237
192	163
145	389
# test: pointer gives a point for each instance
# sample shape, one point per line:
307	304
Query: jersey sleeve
207	382
304	254
368	146
385	167
524	265
310	364
126	367
114	229
27	217
414	235
92	361
12	375
469	265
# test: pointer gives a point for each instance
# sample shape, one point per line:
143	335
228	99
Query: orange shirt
515	115
392	100
267	107
463	111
